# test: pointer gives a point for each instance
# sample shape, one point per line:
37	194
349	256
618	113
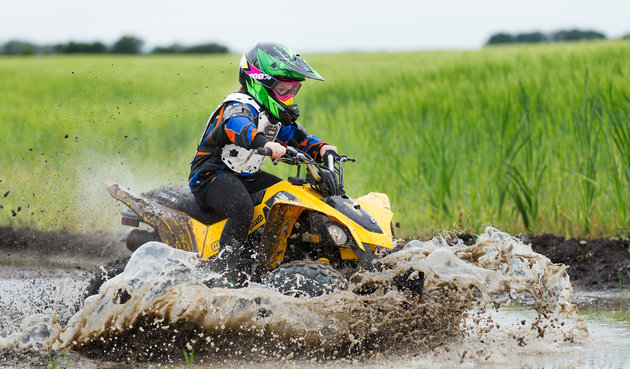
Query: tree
561	35
173	49
575	35
530	37
16	47
128	45
210	48
500	38
80	47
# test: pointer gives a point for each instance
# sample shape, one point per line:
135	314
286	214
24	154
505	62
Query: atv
304	231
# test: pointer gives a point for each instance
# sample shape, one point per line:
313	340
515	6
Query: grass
526	138
189	356
53	363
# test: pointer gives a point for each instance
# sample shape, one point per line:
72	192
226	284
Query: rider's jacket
233	133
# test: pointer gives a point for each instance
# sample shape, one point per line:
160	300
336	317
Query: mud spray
161	304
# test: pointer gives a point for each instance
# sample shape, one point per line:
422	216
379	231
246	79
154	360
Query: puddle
160	306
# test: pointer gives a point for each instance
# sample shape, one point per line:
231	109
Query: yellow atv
305	230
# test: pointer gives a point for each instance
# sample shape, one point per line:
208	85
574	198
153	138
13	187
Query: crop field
530	139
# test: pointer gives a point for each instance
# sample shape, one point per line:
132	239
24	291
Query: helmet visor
286	90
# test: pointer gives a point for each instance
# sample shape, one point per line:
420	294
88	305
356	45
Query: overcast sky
307	26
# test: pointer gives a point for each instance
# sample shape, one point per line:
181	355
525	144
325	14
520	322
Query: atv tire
138	237
112	269
306	278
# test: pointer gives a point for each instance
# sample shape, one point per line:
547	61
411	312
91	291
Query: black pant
230	194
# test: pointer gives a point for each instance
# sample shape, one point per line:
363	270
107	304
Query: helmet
272	74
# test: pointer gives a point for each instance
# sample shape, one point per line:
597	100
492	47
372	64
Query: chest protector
240	159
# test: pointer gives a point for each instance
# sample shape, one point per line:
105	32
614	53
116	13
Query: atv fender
173	227
378	205
279	225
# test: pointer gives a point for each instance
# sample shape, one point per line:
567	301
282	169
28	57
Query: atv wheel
112	269
306	278
138	237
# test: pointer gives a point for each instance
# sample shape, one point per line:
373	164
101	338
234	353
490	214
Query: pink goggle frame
286	90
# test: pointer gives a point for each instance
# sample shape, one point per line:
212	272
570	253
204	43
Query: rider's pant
230	194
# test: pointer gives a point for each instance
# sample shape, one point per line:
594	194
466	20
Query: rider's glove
329	153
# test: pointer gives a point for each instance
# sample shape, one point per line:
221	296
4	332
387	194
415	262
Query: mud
593	264
59	248
597	264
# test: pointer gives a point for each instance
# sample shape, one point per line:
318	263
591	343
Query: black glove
331	153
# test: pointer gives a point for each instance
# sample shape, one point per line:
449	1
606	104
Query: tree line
124	45
557	36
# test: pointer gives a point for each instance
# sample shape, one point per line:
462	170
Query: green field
525	138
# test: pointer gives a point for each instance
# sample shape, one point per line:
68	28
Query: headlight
337	234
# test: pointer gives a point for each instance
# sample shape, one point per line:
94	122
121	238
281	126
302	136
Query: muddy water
161	305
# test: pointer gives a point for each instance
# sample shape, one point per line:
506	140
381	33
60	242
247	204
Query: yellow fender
284	214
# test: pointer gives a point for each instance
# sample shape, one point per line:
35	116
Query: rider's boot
233	269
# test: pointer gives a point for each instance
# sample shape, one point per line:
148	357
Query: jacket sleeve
241	130
298	137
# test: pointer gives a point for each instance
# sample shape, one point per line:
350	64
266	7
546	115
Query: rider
226	167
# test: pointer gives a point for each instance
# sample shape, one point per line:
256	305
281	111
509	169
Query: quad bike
304	231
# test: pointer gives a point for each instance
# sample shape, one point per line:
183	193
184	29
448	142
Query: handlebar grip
291	151
264	151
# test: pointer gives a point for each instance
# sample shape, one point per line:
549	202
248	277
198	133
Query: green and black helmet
272	74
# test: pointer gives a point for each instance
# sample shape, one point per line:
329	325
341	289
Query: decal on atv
282	195
167	199
256	222
215	246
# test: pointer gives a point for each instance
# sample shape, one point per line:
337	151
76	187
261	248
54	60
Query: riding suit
226	169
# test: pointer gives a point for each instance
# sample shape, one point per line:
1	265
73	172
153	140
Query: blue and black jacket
242	131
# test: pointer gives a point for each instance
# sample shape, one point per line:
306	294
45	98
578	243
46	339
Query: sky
308	26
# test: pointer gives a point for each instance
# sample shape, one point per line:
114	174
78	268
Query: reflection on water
609	343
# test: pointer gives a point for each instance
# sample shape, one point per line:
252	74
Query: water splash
161	304
495	266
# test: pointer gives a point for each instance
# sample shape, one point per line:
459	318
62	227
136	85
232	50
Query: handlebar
292	153
327	178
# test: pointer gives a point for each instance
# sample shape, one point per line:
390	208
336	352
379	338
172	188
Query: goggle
286	90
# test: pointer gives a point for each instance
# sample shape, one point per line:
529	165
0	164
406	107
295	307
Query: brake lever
292	156
285	159
291	151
